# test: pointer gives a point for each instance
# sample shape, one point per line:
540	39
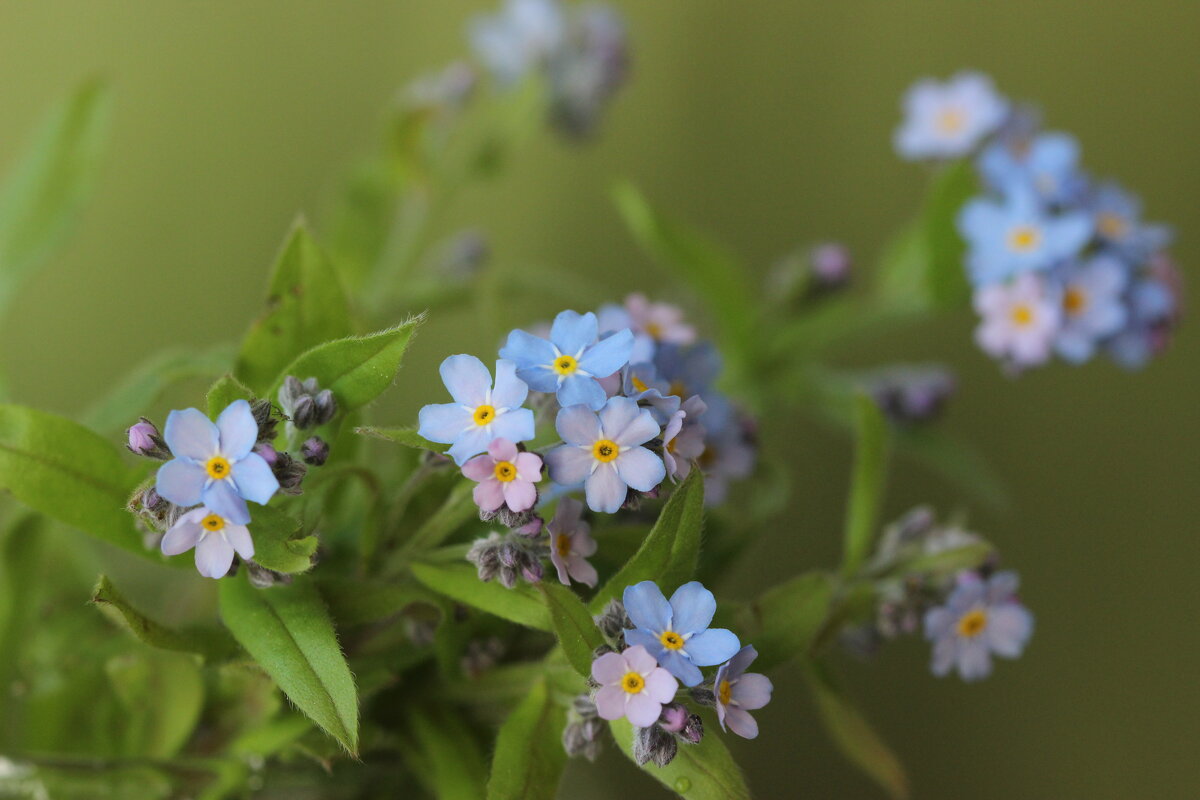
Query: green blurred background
769	125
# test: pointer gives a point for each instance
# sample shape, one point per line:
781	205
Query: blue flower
479	413
980	618
520	37
572	361
1016	235
1092	306
604	453
1117	215
214	464
640	382
676	632
1048	165
947	120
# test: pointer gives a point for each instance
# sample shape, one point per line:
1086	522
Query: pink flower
505	476
632	685
571	543
683	438
1020	320
662	322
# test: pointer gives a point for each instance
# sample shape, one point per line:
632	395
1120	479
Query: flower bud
704	696
261	409
306	403
674	717
613	620
304	412
143	439
693	731
831	265
654	744
532	571
531	529
315	451
268	453
326	406
263	578
289	472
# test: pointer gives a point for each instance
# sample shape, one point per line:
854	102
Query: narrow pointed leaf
784	621
403	436
704	771
867	483
529	759
213	644
576	630
522	604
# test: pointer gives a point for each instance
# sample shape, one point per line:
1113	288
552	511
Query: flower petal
569	465
501	449
239	537
640	468
647	607
649	642
181	482
609	668
579	389
1008	629
214	556
237	429
738	664
479	468
443	422
713	646
529	467
583	572
519	495
577	425
945	652
182	536
516	425
526	350
610	701
640	660
604	490
687	672
641	710
488	495
470	443
510	391
190	434
608	355
254	479
467	379
692	608
752	691
974	659
221	497
661	686
572	331
740	722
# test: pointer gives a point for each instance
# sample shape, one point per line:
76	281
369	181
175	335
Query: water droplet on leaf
682	785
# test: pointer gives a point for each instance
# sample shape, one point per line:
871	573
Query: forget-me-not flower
1092	306
214	537
571	543
214	463
604	452
979	619
632	685
947	120
640	382
1048	164
572	361
1020	320
521	36
1016	234
1117	214
505	475
676	632
480	412
739	692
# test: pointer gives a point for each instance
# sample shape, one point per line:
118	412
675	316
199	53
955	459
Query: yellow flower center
725	693
972	623
671	640
217	468
562	543
1074	301
1021	314
951	120
1112	226
1024	238
484	415
633	682
677	388
213	522
654	330
639	384
506	471
605	450
565	365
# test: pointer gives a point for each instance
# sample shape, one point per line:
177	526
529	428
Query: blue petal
526	350
238	430
539	378
577	425
190	434
254	479
470	443
467	379
569	465
516	426
713	646
572	332
443	422
604	490
617	415
647	607
222	499
646	639
639	468
693	607
580	390
181	482
1068	234
510	391
679	666
608	355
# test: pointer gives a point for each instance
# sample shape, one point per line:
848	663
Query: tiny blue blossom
604	453
1017	235
1153	308
676	632
214	463
1048	164
523	35
480	412
640	382
1092	306
1117	215
739	692
980	618
947	120
572	361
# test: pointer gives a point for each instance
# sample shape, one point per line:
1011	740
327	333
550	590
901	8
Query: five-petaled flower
506	476
632	685
479	413
739	692
947	120
1092	306
214	464
603	452
1020	320
572	361
981	617
215	538
571	543
676	632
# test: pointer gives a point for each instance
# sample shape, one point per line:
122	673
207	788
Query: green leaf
288	632
784	621
704	771
280	542
146	383
529	759
867	485
577	631
853	734
522	604
162	695
450	762
715	274
668	556
21	546
353	601
305	307
357	369
45	190
405	436
226	390
68	473
211	643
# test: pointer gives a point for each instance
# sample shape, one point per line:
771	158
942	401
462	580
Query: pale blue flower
1092	306
947	120
739	692
1014	235
1048	165
640	382
676	632
479	413
214	464
571	361
1118	223
523	35
588	70
1153	304
980	618
604	453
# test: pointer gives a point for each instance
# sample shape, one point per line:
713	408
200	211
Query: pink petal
610	701
502	450
529	467
661	685
641	710
581	571
520	495
479	468
488	495
609	669
640	661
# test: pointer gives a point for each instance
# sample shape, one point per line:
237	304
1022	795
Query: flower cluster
661	643
1062	264
628	393
213	470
